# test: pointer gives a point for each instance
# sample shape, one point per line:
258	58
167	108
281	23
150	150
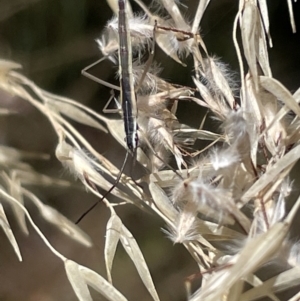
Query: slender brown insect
128	97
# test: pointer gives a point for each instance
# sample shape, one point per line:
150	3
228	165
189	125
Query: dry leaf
112	237
131	247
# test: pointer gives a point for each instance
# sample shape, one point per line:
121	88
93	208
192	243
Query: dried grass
234	192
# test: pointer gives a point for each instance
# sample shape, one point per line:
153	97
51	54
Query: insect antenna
106	193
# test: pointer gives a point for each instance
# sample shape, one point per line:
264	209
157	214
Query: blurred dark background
54	40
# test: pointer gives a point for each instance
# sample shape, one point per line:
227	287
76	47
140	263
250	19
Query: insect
128	96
